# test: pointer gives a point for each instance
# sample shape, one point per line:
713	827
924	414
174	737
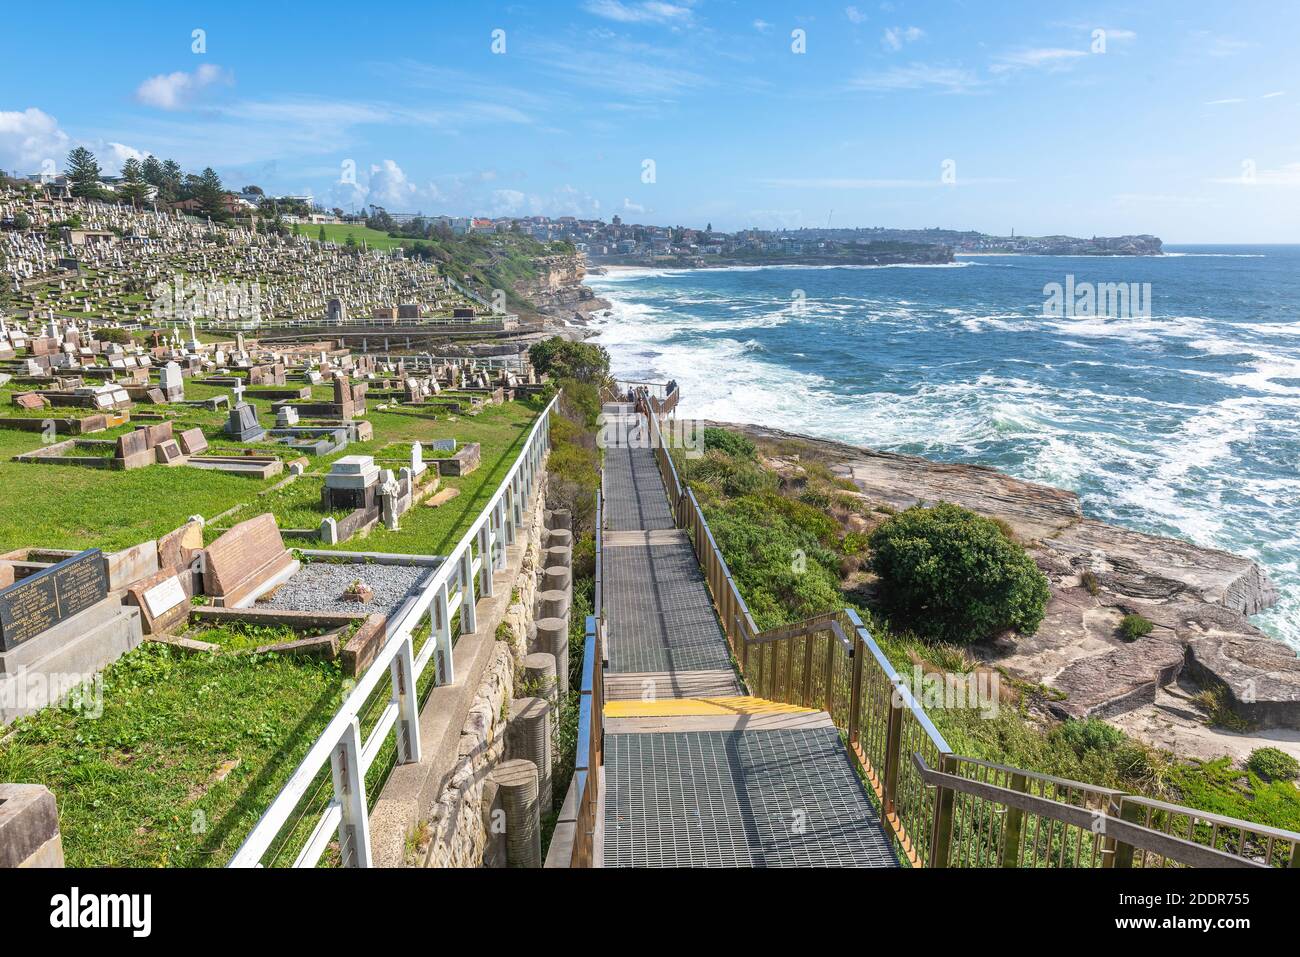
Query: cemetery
210	517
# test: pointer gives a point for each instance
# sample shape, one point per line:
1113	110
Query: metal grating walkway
634	492
659	613
685	785
779	798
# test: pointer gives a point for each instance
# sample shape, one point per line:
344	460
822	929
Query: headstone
245	562
162	599
242	424
193	441
169	453
172	382
34	605
417	459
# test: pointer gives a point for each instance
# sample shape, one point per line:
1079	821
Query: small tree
84	173
563	359
134	189
952	575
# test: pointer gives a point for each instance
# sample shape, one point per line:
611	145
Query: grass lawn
187	754
339	233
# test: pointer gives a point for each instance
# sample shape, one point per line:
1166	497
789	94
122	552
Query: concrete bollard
559	518
559	555
553	638
559	538
516	783
539	673
553	604
556	578
528	737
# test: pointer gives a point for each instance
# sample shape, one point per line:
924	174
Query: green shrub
564	359
1273	764
728	443
1133	627
952	575
1090	734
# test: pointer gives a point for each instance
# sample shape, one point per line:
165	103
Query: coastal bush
728	443
1273	764
565	359
1133	627
950	574
782	567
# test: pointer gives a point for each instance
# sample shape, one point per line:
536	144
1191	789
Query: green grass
136	786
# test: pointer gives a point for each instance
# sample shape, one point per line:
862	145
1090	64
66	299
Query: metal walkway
696	774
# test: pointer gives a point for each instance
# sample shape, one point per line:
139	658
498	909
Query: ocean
1179	415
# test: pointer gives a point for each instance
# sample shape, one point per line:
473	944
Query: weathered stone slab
177	548
1262	677
193	442
29	827
245	562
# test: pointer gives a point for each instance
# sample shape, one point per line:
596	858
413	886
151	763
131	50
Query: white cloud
118	153
631	207
762	26
1269	96
1225	101
28	138
1285	175
389	186
895	37
653	11
508	202
855	15
918	76
175	91
1051	58
831	182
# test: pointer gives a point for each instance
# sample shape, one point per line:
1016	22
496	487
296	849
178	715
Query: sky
1178	119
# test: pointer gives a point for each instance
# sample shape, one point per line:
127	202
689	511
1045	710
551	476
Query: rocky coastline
1198	599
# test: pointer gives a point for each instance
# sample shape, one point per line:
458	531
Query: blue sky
1181	119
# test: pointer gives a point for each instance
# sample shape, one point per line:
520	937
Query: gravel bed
318	586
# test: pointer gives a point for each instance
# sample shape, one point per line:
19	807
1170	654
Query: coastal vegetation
953	575
803	541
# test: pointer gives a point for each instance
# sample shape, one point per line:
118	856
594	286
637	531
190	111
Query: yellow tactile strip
687	707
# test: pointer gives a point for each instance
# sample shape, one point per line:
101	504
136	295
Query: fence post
487	560
468	618
1120	854
408	709
893	744
350	792
831	644
445	662
941	838
1012	824
855	688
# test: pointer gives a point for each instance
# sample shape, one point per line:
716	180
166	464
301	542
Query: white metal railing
451	588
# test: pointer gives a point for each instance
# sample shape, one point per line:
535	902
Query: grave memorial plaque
37	603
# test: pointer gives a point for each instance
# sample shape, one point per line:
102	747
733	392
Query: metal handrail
451	588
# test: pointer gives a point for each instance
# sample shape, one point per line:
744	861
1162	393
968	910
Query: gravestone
193	442
242	424
34	605
352	482
132	450
246	562
172	382
162	599
60	626
169	453
417	459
